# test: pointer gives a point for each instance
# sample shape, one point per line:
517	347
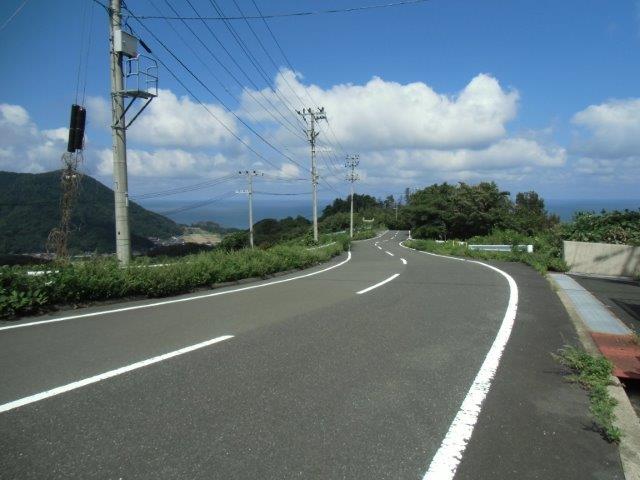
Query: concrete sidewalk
599	329
614	339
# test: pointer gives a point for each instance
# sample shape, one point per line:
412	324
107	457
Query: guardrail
502	248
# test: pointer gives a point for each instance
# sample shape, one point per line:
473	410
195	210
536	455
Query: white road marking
389	253
379	247
403	261
176	300
368	289
446	460
103	376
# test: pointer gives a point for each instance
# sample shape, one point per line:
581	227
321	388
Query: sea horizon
233	213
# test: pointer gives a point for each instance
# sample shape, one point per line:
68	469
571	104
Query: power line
13	15
289	64
186	188
175	57
252	59
217	59
195	205
292	14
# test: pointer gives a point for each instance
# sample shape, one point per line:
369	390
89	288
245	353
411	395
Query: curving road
354	369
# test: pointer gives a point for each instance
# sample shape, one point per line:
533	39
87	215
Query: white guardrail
502	248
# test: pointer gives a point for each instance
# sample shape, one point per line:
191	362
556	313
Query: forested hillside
29	209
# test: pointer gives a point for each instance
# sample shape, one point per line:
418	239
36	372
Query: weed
593	373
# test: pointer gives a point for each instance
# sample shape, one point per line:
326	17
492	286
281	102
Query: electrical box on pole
125	44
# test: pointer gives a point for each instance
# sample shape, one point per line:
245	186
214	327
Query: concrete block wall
602	258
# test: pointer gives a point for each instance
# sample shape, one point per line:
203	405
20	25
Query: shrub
103	279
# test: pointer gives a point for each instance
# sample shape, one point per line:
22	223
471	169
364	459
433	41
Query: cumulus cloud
385	115
173	163
612	129
172	121
509	158
26	148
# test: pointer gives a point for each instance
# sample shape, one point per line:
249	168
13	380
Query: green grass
542	260
593	374
80	283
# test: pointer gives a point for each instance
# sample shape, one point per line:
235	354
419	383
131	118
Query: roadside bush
542	260
103	279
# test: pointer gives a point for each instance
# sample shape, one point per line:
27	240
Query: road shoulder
534	423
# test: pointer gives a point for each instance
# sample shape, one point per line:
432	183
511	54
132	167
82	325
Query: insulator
80	122
71	144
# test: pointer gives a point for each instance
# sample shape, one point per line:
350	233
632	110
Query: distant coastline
233	213
565	208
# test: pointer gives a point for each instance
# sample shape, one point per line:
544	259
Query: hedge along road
358	371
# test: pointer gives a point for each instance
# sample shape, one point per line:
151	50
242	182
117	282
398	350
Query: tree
530	215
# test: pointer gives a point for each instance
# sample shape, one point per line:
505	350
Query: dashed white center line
368	289
403	261
379	247
389	253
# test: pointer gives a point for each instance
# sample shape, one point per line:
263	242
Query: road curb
626	418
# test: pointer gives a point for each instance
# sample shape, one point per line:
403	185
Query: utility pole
311	116
142	71
352	162
250	174
396	210
118	128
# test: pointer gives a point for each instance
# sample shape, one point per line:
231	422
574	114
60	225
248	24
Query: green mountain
29	209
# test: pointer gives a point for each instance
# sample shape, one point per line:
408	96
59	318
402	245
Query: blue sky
532	94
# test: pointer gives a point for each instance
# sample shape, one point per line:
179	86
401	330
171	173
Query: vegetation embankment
30	208
545	257
79	283
593	374
482	214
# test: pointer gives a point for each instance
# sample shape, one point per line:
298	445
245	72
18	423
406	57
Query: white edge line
403	261
368	289
389	253
446	460
103	376
177	300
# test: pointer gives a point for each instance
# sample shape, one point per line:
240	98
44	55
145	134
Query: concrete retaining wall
602	258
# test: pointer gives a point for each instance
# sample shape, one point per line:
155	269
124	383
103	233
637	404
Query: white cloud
387	115
174	163
172	121
509	158
610	130
25	148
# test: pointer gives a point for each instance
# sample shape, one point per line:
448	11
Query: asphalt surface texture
318	381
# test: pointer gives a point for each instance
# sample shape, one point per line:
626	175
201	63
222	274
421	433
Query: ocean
234	212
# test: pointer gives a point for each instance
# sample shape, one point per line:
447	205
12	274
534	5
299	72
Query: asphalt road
317	380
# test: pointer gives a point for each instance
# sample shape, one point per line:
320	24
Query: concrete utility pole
118	128
310	117
352	162
250	174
